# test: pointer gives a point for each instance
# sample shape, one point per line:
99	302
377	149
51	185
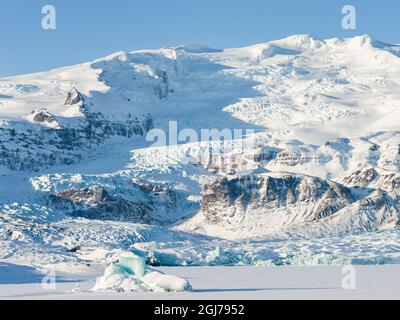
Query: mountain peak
302	41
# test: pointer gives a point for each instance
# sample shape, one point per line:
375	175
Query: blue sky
89	29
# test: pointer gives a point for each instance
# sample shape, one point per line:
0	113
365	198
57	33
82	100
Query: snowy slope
324	158
300	81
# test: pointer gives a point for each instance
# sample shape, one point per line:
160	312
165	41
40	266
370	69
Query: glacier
318	185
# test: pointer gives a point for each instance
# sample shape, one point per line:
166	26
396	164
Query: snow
115	279
129	274
294	83
47	90
230	283
160	282
321	108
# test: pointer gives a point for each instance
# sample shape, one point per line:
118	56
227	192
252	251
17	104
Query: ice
115	278
128	274
227	283
133	262
221	257
156	258
297	93
159	282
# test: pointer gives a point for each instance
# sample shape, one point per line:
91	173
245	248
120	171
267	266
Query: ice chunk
158	281
117	279
166	259
128	274
133	262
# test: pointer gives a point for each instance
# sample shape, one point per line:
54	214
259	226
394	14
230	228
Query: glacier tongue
77	173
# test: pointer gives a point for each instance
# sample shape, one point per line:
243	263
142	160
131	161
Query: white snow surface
299	82
322	108
219	283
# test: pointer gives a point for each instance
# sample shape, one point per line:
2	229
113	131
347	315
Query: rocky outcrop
290	158
100	205
97	126
266	154
59	142
42	116
276	202
289	198
361	178
74	98
377	210
31	149
135	202
370	178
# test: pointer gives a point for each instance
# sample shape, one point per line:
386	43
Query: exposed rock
266	154
140	203
163	89
74	249
370	178
50	145
290	198
98	204
375	211
290	158
74	97
42	116
362	177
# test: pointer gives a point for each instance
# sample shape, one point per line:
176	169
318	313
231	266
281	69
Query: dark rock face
74	97
138	203
378	209
266	155
163	89
289	158
370	178
362	177
96	125
42	116
98	204
31	150
34	149
321	198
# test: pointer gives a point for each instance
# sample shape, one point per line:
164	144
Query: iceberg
128	273
133	262
160	282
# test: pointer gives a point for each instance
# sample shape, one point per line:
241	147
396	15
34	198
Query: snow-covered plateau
315	179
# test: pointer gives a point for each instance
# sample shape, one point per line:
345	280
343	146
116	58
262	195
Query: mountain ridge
324	157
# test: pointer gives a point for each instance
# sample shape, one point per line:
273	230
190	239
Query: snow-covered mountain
324	158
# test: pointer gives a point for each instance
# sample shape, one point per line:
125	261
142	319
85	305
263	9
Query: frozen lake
220	283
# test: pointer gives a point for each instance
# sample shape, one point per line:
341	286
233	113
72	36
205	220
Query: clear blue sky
89	29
